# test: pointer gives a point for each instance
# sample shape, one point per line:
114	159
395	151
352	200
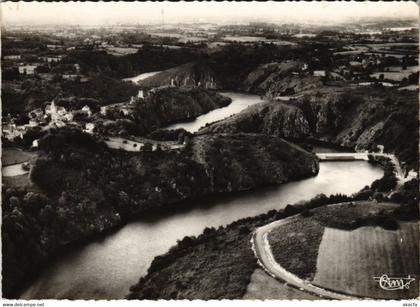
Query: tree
187	140
147	147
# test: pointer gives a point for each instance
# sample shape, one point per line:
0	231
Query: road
262	251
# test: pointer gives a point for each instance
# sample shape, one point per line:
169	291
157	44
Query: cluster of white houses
52	116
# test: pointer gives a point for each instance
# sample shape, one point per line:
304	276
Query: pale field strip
262	250
403	246
348	261
264	287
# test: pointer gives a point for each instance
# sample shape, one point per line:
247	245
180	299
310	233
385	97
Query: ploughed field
14	155
342	247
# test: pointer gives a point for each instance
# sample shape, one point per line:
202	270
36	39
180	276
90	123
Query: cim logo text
394	283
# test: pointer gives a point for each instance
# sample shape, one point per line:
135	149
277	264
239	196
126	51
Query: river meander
105	269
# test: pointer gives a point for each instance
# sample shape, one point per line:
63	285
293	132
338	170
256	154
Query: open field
409	88
253	39
348	260
295	246
20	181
121	51
14	156
386	54
342	248
264	287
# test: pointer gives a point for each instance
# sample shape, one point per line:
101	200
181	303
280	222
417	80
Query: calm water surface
106	269
240	101
13	170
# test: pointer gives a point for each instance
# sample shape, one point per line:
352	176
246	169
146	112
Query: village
189	151
385	58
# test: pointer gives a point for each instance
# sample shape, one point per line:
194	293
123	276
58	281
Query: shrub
387	222
147	147
244	230
290	210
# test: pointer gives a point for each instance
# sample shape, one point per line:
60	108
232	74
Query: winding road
365	156
262	251
261	245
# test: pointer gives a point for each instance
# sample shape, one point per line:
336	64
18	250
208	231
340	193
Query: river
106	269
240	101
142	76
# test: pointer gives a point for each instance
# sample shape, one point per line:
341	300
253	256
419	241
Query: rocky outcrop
170	105
280	79
237	162
190	74
352	117
363	119
272	118
85	189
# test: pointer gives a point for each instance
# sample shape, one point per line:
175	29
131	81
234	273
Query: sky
93	13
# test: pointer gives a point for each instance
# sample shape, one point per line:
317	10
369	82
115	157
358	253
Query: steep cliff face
169	105
353	117
190	74
280	79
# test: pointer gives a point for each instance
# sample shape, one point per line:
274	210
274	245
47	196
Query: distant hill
280	79
190	74
77	199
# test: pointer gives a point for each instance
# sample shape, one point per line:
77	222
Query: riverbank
217	264
151	235
240	101
205	285
78	200
194	259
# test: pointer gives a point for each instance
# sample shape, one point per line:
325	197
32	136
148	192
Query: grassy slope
327	251
348	260
352	117
206	267
295	246
265	287
78	199
170	105
207	250
217	268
